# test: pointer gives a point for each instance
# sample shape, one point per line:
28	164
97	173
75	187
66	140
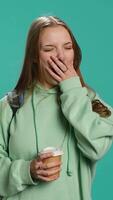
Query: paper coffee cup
57	154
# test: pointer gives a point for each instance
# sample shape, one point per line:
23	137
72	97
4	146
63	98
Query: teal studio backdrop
92	23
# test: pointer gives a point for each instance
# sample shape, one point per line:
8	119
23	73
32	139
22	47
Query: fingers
59	70
44	165
47	179
59	63
41	165
48	175
48	172
51	165
56	68
53	74
45	155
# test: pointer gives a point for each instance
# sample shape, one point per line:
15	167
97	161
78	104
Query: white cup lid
54	150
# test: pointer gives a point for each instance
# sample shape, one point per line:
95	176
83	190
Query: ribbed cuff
70	83
27	176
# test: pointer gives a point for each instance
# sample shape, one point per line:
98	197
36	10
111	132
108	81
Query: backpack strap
15	100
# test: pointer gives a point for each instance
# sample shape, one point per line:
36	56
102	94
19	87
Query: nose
60	54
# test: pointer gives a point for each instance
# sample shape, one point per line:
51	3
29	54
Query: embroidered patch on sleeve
100	108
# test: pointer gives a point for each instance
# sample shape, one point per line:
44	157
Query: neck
46	85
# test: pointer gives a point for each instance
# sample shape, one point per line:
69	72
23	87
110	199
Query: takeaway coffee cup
57	154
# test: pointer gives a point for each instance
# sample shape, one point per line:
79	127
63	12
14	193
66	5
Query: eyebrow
50	45
68	43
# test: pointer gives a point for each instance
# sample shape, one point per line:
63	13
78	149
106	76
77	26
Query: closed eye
68	47
46	50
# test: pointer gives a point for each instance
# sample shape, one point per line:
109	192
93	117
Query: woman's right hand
42	171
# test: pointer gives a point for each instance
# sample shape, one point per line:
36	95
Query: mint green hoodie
82	134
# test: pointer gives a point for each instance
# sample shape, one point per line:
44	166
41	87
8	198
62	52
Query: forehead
55	34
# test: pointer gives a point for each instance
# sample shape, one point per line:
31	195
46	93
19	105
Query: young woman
57	109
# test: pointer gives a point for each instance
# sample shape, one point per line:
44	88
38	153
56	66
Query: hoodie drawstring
69	167
35	126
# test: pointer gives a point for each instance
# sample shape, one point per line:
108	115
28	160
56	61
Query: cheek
43	59
70	58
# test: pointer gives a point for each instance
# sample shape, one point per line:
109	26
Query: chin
52	82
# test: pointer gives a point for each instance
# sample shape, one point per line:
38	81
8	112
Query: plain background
92	25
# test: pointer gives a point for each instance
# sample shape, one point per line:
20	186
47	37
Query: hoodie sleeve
93	132
14	175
